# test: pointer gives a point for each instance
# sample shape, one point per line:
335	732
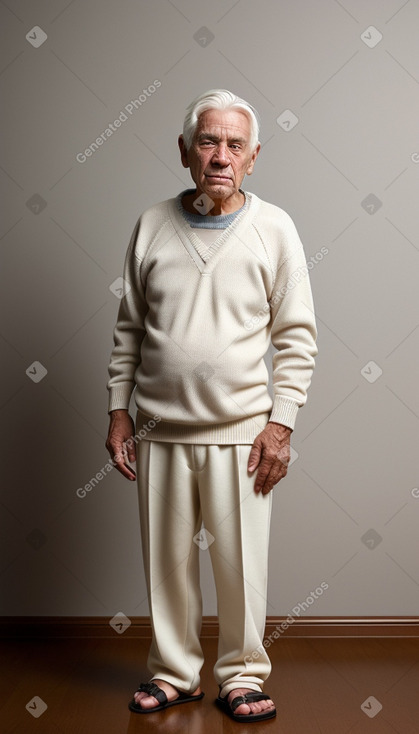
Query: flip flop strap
153	690
247	698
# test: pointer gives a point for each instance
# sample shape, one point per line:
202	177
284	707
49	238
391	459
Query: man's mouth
219	178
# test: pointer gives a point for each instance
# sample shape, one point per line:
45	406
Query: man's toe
144	700
147	702
253	707
256	707
150	702
243	709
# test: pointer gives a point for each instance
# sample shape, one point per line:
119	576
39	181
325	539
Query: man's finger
120	463
130	444
273	478
263	472
254	457
275	475
125	470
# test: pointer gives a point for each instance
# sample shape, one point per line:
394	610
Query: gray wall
347	172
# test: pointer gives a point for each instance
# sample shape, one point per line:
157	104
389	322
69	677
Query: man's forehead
231	121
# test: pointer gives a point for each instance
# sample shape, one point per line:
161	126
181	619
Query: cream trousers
181	487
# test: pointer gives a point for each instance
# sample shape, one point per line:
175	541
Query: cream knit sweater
195	324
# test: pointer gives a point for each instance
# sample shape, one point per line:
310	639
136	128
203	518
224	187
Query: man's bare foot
255	707
150	702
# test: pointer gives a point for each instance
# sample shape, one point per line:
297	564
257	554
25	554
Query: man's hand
120	443
271	453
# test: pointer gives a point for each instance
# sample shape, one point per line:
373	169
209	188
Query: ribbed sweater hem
235	432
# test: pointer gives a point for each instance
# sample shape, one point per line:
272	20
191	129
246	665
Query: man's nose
221	156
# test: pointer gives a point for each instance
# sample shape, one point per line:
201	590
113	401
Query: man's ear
183	152
253	159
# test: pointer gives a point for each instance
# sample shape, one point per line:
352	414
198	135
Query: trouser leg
170	516
239	521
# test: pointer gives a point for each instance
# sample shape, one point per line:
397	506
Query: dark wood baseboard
23	627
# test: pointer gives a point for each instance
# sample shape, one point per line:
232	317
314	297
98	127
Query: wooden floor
319	686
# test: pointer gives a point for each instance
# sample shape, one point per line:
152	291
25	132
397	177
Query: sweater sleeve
293	330
128	333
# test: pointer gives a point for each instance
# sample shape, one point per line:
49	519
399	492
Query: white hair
219	99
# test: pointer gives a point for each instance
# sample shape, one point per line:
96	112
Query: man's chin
221	188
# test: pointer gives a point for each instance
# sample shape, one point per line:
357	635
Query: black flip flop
152	689
229	708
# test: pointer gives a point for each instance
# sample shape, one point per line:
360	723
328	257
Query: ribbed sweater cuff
284	411
120	396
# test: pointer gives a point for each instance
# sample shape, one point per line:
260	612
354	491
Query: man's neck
221	206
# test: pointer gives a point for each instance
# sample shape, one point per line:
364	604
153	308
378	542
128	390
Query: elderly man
212	277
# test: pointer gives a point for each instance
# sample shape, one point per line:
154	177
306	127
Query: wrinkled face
220	154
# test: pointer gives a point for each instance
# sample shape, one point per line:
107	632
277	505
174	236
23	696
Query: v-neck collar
206	257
